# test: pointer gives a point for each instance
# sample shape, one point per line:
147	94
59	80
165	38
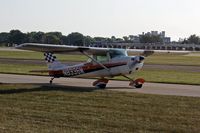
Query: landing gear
100	83
138	83
51	81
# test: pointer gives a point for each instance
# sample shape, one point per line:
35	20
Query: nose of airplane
136	61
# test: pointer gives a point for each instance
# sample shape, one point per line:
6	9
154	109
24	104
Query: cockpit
107	56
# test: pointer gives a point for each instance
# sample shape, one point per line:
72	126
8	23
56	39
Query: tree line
18	37
75	38
193	39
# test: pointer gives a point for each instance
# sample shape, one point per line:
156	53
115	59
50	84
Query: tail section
52	62
49	57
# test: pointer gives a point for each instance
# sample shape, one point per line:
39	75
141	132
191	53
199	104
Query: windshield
117	53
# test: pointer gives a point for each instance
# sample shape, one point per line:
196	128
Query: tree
17	37
193	39
64	40
150	39
126	39
57	34
36	37
99	39
51	39
156	39
76	38
120	40
4	37
185	41
88	40
113	38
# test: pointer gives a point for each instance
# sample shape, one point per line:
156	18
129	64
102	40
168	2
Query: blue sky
179	18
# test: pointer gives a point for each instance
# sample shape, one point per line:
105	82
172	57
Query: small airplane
103	63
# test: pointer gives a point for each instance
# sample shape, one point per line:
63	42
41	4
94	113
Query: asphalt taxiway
149	88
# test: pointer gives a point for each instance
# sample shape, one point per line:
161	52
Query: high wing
146	53
65	49
61	49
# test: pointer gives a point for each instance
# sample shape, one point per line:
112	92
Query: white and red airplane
102	63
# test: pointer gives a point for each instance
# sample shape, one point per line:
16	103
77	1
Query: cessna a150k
102	63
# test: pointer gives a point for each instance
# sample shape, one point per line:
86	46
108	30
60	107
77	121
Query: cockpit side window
102	58
99	58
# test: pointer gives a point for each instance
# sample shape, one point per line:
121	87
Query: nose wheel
138	83
138	86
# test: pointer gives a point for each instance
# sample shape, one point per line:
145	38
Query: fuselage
116	66
103	62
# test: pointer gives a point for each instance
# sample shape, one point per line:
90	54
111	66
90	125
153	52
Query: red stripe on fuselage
57	73
88	67
91	66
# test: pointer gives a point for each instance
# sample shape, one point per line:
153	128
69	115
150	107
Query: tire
138	86
101	86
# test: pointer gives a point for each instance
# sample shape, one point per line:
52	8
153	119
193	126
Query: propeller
139	59
135	60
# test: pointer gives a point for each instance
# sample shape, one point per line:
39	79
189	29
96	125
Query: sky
106	18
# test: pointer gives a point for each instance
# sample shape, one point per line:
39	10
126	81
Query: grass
39	108
168	76
172	59
20	68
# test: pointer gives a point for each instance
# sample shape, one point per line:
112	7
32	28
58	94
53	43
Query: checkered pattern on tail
49	57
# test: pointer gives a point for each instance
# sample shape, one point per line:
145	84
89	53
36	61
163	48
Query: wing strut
95	61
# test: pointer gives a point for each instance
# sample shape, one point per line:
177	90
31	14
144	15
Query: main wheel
100	83
101	86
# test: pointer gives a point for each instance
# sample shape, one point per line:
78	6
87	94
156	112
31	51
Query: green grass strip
35	108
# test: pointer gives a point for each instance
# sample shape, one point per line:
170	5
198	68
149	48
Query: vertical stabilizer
52	62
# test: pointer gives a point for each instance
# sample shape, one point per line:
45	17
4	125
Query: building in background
136	39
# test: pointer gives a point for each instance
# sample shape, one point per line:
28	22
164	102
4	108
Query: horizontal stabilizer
45	71
39	71
54	73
